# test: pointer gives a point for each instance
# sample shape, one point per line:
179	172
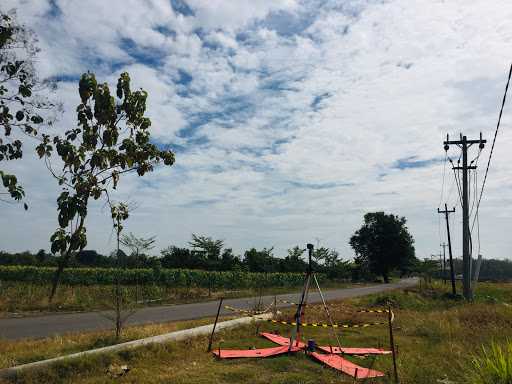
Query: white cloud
301	111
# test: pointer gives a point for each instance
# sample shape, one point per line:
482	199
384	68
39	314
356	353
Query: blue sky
290	119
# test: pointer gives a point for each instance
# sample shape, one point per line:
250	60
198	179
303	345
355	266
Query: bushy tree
229	261
176	257
260	261
21	105
91	258
383	243
112	139
334	267
294	262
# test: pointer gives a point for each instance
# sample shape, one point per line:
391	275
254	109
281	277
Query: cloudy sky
290	119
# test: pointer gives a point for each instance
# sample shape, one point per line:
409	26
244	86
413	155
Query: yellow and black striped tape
340	309
373	311
325	325
244	310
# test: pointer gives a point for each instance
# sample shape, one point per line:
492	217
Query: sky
290	119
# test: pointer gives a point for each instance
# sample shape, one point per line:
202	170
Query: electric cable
493	143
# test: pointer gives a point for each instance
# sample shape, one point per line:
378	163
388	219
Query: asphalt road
56	324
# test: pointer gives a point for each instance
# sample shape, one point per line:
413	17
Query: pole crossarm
469	142
462	168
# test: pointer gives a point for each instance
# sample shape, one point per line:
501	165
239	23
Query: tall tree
111	139
210	247
21	105
137	245
383	243
321	254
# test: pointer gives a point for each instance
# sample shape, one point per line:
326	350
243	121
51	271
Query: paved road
54	324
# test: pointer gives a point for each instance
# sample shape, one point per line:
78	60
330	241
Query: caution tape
325	325
343	310
373	311
252	313
289	302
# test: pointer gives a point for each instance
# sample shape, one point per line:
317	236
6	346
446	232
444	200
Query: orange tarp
355	351
347	350
282	340
345	366
262	352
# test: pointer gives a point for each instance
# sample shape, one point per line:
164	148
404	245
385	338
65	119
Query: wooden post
392	343
214	326
257	310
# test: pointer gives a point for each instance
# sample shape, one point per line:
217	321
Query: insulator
446	147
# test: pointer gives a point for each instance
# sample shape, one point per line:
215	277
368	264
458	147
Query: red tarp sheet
345	366
281	340
348	350
355	351
263	352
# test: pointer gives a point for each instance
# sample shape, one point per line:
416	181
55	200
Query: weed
493	365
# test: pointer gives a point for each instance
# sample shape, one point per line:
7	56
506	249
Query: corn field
167	277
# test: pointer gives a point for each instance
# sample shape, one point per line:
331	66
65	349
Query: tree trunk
63	263
386	277
56	276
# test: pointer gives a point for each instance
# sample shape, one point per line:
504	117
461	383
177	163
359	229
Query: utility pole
444	261
452	271
464	144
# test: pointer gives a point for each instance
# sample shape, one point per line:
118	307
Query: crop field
440	339
168	277
26	289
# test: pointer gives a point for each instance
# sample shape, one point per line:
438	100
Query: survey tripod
301	306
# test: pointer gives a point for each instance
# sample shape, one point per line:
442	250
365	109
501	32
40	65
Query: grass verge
439	338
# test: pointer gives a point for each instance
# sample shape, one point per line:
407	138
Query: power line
457	182
450	191
442	194
493	143
444	174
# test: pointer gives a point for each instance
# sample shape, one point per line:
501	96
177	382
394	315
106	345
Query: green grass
29	350
493	365
439	339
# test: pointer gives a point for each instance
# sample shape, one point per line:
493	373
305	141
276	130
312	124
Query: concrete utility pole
444	261
477	271
464	144
452	271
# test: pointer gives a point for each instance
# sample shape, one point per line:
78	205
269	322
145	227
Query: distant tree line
383	248
203	253
491	269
